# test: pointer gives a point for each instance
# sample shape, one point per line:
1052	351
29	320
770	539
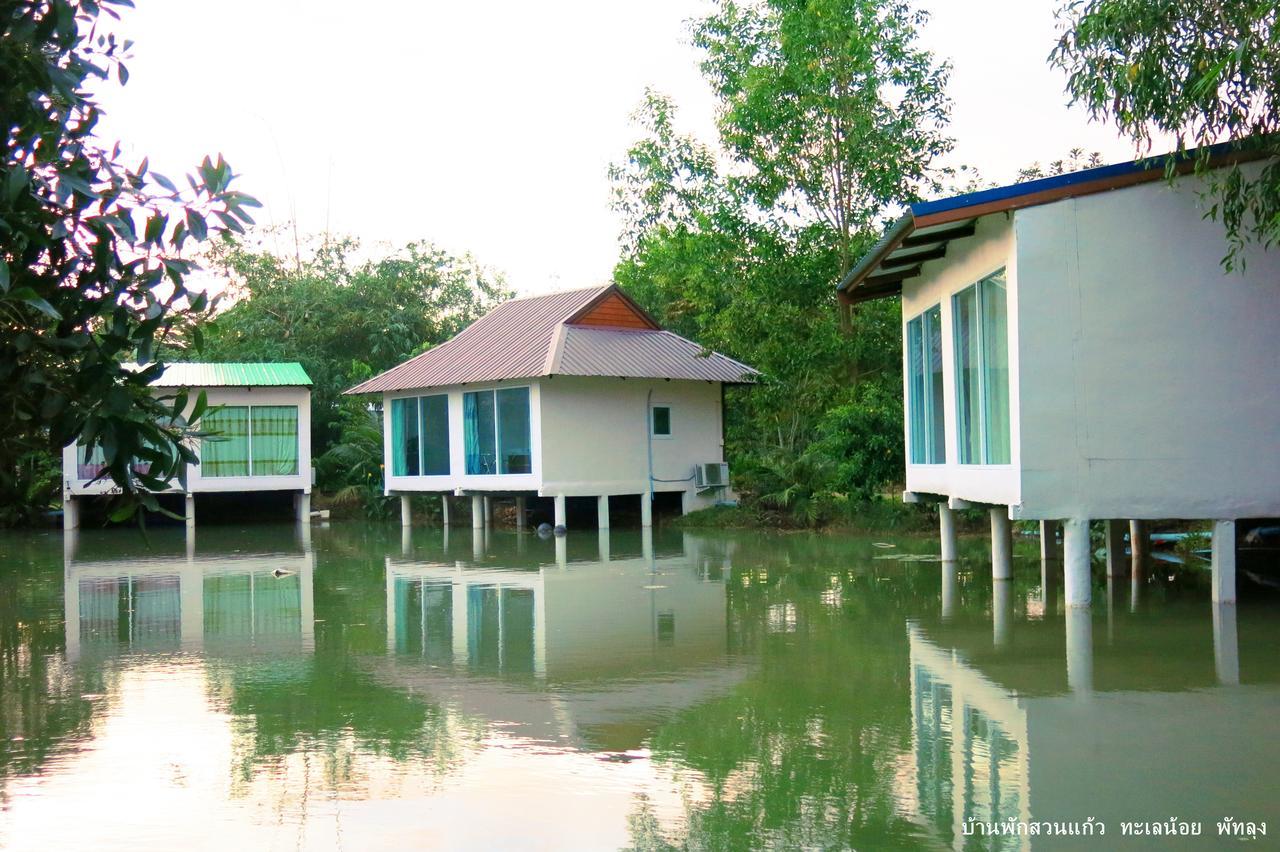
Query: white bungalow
1074	350
573	394
262	416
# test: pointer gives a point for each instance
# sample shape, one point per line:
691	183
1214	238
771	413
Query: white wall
1148	380
299	396
967	262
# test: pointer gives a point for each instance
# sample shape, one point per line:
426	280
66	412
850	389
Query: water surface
364	689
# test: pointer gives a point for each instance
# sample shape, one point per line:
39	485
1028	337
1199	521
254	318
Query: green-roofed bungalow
262	415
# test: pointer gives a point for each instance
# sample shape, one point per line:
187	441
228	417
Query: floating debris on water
882	544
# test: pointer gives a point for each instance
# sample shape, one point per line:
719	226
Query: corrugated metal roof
527	338
206	375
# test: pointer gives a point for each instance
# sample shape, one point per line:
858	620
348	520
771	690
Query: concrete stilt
488	512
520	513
562	511
444	510
1076	560
406	540
477	543
1139	544
947	532
190	509
1049	541
604	544
1226	649
477	512
646	510
950	589
1080	650
70	512
1001	611
1115	548
1135	587
562	552
646	545
1111	605
1224	562
1001	544
602	511
406	511
304	508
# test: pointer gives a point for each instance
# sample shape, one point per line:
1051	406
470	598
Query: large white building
573	394
260	437
1075	351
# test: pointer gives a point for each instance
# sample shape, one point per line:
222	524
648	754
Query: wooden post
1139	544
1115	548
1049	541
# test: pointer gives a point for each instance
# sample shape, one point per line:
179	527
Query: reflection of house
986	752
621	639
1050	329
192	603
571	394
261	416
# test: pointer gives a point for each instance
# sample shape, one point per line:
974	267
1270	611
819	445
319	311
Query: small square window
662	421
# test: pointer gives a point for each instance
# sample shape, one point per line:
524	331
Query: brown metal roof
528	338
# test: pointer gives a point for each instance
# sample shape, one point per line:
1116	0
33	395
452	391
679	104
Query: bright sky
489	127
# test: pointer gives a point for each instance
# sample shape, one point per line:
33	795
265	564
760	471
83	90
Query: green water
250	690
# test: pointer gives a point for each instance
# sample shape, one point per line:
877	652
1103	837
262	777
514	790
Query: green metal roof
204	375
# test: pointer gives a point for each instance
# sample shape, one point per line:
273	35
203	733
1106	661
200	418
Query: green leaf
32	298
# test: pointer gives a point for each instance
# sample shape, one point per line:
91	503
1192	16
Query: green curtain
480	432
275	440
227	453
995	367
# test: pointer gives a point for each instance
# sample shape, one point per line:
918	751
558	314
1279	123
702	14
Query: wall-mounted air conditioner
711	475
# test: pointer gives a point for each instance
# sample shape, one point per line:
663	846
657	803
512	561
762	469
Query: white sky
489	126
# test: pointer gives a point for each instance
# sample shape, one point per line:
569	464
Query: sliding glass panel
933	383
478	425
995	367
275	440
405	453
484	626
915	389
964	309
513	431
435	435
227	454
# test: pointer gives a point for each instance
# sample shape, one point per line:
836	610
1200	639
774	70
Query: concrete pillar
1115	548
950	589
562	551
947	532
602	511
477	512
1076	560
406	511
1049	541
1226	649
1223	561
1135	587
1001	611
70	512
1139	543
646	510
562	511
1049	564
406	541
1080	650
1111	605
488	511
304	508
646	545
521	510
604	544
190	507
444	510
1001	544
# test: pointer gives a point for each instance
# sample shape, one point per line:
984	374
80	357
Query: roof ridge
554	293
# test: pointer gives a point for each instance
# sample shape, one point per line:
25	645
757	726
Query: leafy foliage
1202	72
92	272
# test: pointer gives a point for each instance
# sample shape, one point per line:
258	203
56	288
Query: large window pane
513	431
968	369
995	365
405	453
478	426
435	435
916	389
228	453
274	430
933	383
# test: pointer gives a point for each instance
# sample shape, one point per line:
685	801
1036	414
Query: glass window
513	431
435	435
662	421
478	423
982	371
405	451
227	453
274	440
924	387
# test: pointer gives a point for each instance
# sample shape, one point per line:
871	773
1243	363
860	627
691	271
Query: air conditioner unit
711	475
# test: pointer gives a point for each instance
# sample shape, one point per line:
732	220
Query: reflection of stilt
562	551
1139	544
477	544
191	605
307	606
71	599
1080	650
1226	651
1111	600
1135	584
949	590
391	607
1001	611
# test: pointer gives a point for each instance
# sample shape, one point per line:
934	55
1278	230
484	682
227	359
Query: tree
92	269
1201	72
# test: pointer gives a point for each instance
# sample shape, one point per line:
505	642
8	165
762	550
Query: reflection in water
374	690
